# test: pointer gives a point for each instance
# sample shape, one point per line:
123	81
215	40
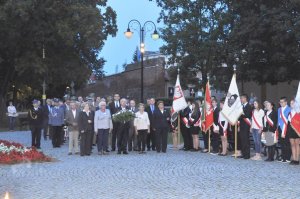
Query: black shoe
148	149
107	151
240	156
292	162
113	150
153	149
246	157
129	150
158	151
125	152
296	162
119	152
268	160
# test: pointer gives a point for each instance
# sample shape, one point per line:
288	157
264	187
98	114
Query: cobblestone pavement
176	174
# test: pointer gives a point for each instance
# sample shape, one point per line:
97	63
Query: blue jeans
11	122
257	140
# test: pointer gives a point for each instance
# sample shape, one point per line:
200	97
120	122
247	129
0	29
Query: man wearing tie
114	108
123	130
151	136
132	140
245	124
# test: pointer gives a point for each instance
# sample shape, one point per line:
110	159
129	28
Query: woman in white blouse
142	127
12	114
256	128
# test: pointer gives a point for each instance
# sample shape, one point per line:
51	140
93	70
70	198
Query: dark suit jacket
216	116
83	124
247	114
45	114
150	115
71	121
113	109
161	120
35	117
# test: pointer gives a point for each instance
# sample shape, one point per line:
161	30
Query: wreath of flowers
123	116
13	153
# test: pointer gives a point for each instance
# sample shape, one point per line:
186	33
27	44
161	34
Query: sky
118	50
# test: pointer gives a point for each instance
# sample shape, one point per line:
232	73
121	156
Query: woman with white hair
102	126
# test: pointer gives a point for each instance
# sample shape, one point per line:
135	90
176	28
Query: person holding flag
245	124
215	128
194	123
294	128
283	114
223	128
233	108
179	104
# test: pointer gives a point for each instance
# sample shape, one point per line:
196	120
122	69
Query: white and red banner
233	108
179	102
295	122
208	110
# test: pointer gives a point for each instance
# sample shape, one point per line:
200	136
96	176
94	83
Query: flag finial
207	75
234	68
178	70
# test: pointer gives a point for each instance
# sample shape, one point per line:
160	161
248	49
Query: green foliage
71	32
123	116
264	35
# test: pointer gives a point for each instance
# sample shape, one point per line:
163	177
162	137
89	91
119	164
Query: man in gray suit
72	116
132	139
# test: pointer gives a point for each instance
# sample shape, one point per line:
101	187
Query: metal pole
142	64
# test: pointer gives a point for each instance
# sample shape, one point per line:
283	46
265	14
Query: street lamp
142	31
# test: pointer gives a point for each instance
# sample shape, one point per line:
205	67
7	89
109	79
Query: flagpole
209	130
235	126
209	141
178	117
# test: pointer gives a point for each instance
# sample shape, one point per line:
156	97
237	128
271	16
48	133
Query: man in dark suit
35	118
151	136
132	140
72	117
215	135
187	137
123	130
161	119
114	108
245	124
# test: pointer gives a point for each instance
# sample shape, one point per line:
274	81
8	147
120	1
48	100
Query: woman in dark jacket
86	128
194	122
270	125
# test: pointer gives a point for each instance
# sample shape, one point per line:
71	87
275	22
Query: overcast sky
119	49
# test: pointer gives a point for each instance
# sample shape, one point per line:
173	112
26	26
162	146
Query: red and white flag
179	102
233	108
295	122
208	111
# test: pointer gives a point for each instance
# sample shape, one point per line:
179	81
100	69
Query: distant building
128	82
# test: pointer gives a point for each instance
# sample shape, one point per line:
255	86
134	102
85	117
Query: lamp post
44	82
142	31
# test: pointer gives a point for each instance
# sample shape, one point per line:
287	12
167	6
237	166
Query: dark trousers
285	146
142	138
205	139
11	121
215	141
271	152
122	138
56	136
243	137
132	139
45	130
35	136
85	143
114	136
161	139
187	137
151	140
102	139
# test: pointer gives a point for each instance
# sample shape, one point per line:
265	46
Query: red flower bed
13	153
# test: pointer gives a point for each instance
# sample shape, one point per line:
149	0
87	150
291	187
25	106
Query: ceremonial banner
296	119
233	108
208	111
179	102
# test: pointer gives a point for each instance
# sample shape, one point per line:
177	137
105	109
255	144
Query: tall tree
71	32
195	33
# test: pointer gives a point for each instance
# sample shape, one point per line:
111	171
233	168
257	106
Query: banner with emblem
233	108
295	122
207	110
179	102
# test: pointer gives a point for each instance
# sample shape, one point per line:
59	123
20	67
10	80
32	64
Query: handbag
269	138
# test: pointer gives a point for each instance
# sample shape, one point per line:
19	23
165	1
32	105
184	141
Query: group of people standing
263	121
90	122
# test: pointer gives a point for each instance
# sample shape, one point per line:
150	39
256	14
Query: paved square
176	174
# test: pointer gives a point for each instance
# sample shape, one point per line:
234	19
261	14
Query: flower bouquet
123	116
13	153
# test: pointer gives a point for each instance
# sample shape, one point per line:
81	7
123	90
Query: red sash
247	120
254	119
284	130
